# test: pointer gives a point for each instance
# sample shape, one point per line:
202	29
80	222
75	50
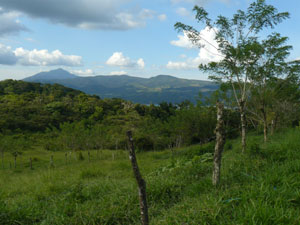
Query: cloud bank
36	57
9	23
85	14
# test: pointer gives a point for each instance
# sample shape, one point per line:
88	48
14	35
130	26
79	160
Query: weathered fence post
220	141
140	181
51	162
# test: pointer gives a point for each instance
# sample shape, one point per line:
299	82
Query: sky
115	37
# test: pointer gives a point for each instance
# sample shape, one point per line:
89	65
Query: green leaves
202	16
260	15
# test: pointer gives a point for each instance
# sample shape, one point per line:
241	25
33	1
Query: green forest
64	153
59	118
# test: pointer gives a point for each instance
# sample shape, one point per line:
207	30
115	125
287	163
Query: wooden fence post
51	162
220	141
89	155
140	181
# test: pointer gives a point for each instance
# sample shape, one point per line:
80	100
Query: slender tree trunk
265	122
220	141
140	181
265	131
272	127
243	124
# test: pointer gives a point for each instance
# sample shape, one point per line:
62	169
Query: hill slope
258	187
141	90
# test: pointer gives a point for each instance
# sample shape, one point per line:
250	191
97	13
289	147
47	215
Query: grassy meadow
261	186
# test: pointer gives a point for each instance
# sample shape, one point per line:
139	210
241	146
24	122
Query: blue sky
112	37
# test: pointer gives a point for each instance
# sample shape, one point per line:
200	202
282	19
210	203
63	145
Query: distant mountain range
140	90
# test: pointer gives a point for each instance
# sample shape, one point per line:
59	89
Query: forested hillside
161	88
64	118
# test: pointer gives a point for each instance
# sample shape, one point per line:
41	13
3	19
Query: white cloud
183	41
87	72
46	58
183	12
141	63
208	51
180	65
118	59
85	14
162	17
7	56
36	57
118	73
147	14
10	25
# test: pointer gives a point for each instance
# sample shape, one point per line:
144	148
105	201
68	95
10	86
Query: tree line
261	80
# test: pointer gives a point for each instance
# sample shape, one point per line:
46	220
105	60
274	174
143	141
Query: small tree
271	67
274	98
239	46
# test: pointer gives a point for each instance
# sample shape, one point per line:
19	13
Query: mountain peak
163	76
59	69
52	75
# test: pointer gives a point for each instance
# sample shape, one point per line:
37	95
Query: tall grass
261	186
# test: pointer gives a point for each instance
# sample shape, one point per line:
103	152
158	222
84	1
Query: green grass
261	186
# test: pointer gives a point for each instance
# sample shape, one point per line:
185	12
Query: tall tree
239	46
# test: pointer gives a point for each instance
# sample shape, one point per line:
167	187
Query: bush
144	143
80	156
254	148
199	150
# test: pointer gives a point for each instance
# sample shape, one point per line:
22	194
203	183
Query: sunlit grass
261	186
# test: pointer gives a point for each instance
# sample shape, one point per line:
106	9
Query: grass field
261	186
